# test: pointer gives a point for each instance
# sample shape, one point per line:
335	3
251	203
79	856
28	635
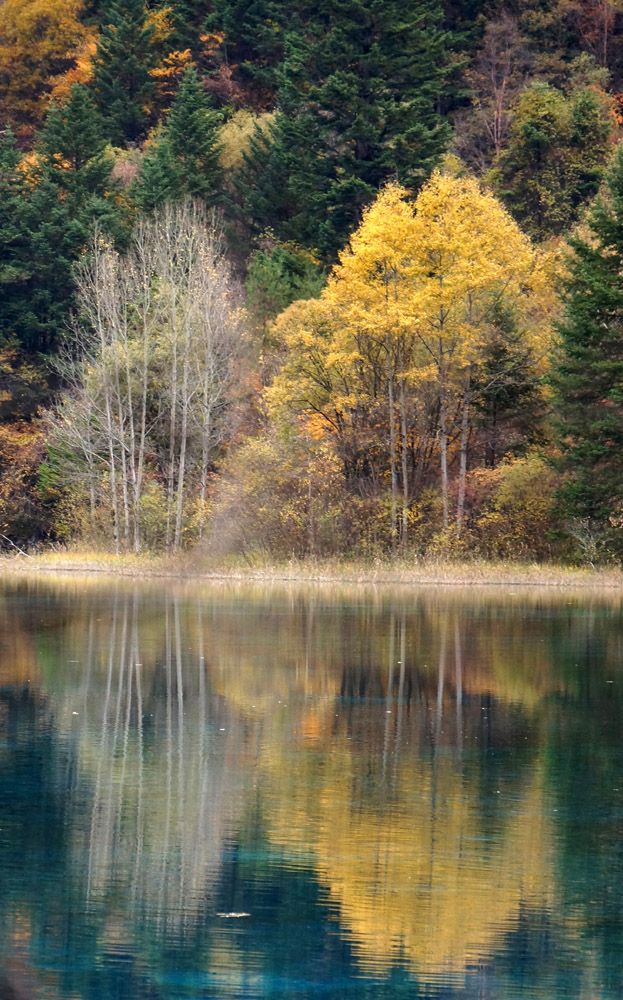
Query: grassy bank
408	572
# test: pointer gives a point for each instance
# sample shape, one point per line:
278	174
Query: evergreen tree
192	133
254	33
184	159
357	107
46	223
160	178
73	156
55	239
71	140
588	374
121	70
188	20
277	276
42	240
14	272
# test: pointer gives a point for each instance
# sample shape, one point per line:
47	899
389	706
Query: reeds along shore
415	572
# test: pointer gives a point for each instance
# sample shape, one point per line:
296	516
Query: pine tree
159	179
46	222
14	272
188	19
254	33
121	70
192	133
184	159
72	147
357	100
588	374
55	239
74	158
41	240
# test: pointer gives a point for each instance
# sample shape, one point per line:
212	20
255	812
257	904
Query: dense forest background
312	279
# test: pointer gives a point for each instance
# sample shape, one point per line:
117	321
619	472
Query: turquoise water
247	792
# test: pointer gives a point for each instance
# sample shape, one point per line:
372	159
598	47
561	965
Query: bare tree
151	367
496	78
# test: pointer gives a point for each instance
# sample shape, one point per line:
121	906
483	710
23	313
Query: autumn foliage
390	186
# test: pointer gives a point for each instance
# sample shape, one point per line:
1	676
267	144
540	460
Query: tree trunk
172	423
140	456
392	445
122	450
443	440
405	467
204	467
181	472
114	497
491	443
460	507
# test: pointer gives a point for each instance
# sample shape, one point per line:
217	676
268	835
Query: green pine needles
588	370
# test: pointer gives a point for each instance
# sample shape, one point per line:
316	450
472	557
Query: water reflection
407	793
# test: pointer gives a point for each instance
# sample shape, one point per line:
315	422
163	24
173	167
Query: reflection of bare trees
164	757
369	730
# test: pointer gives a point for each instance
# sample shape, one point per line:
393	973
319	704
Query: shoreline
194	567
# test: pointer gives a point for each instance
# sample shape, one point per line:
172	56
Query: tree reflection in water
383	781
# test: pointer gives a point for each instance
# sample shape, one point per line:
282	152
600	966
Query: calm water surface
244	792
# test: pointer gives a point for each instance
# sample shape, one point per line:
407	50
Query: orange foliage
81	72
167	76
22	450
40	41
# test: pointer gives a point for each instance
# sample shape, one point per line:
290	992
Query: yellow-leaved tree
469	256
373	293
405	316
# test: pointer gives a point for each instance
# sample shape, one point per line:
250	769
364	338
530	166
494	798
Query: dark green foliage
183	160
278	276
588	375
159	179
75	158
34	307
12	243
357	99
254	39
122	83
463	25
507	400
47	221
555	158
72	137
188	18
192	128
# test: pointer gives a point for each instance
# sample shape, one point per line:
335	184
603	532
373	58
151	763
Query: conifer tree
188	20
72	148
121	70
159	179
192	133
43	238
254	33
184	159
358	95
74	158
13	267
46	223
588	374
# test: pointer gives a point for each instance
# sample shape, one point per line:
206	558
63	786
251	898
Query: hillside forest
292	279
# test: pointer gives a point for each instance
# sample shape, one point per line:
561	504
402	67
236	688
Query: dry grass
420	572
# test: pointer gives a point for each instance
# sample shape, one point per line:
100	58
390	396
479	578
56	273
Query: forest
289	279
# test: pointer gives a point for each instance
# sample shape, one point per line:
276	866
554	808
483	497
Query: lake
246	791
